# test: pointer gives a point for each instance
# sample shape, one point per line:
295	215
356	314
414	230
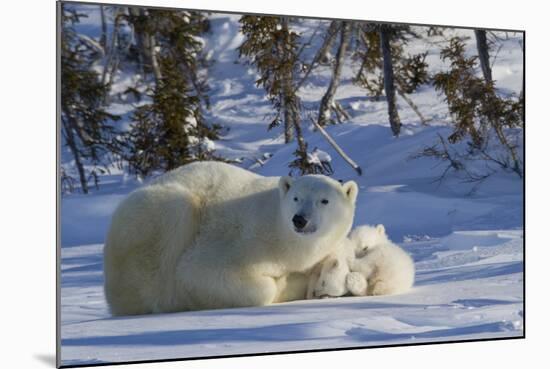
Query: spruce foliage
86	124
171	130
163	53
273	48
477	109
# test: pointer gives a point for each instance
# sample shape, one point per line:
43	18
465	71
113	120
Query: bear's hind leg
149	231
210	288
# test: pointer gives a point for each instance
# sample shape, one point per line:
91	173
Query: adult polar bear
211	235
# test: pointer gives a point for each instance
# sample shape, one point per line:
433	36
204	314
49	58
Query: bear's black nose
299	221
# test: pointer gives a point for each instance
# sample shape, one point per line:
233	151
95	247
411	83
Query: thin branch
329	39
309	41
336	147
413	106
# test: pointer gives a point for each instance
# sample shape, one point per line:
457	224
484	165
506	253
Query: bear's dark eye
324	201
295	199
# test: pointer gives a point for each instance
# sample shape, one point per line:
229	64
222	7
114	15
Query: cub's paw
357	284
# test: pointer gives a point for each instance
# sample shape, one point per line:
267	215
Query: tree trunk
112	51
154	61
287	92
69	136
139	35
522	93
483	52
327	43
103	38
389	84
287	117
302	146
327	100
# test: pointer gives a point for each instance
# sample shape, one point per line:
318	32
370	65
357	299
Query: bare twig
413	106
496	55
456	161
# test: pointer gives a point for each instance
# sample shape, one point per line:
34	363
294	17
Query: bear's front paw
356	283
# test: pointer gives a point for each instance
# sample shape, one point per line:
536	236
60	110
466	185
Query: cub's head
366	238
331	278
316	205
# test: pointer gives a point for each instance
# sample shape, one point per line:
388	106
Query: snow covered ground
466	240
469	286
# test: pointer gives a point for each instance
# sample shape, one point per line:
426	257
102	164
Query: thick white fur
366	263
211	235
333	277
387	267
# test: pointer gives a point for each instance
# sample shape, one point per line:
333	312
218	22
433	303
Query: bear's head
317	206
365	238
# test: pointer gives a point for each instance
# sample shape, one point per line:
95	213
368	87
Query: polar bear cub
387	267
366	263
332	277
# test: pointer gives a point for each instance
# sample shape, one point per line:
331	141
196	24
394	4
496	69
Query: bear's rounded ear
380	229
351	190
284	184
